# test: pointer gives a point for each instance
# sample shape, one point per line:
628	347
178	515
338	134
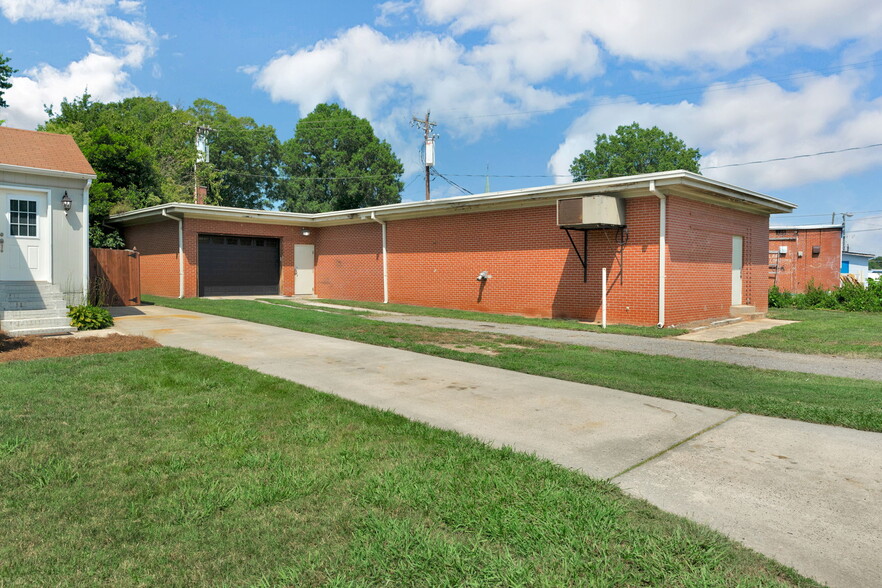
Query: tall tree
634	150
244	158
336	162
6	72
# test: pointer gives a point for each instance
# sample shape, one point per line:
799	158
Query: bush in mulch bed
32	347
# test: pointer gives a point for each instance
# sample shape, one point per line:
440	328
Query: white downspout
180	251
385	264
86	245
662	233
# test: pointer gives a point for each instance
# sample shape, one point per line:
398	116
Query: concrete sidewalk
806	495
863	369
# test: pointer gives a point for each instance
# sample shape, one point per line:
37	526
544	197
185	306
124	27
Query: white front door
25	230
304	266
737	263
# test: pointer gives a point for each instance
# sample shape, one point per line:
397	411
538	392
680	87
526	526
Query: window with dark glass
23	218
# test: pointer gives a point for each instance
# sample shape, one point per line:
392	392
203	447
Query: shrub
88	318
778	299
851	296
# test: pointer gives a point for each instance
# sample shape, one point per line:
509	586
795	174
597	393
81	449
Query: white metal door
304	265
26	238
737	263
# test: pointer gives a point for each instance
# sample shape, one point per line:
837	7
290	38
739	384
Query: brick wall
792	273
158	244
434	261
699	262
349	262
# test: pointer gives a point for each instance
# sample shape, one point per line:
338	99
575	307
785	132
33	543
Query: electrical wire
801	156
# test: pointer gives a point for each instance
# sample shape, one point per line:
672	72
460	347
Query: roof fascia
21	169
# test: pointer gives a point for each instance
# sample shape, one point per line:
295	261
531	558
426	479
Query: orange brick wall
434	261
349	262
158	244
699	262
792	273
536	271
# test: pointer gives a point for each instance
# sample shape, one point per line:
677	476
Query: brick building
713	240
800	255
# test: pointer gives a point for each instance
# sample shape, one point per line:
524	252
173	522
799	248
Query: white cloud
757	121
369	72
864	235
393	10
104	77
665	31
123	43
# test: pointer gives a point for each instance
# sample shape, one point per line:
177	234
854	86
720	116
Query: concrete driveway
807	495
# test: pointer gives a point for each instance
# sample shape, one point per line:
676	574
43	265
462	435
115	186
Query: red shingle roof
48	151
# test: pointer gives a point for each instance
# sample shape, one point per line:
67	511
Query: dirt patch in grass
26	348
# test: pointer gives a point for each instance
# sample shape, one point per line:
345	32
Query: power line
801	156
451	182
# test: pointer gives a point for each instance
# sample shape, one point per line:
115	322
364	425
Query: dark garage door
238	265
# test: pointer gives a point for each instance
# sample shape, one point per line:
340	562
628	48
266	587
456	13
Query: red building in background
800	255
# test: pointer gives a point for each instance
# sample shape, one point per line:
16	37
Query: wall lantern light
304	231
66	202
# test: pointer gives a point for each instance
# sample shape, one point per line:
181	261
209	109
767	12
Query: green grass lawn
168	468
509	319
821	399
823	332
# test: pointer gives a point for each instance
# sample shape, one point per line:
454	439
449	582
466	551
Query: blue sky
517	87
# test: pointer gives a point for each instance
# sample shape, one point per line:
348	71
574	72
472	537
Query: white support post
603	285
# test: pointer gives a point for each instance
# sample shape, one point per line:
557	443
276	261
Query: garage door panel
238	265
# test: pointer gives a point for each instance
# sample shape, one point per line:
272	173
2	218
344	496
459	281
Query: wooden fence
114	277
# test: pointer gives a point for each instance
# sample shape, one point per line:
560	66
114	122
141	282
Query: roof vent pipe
662	231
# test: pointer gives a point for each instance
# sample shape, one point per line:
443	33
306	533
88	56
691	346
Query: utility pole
202	155
427	125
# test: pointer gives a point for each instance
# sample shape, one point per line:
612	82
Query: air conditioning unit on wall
588	212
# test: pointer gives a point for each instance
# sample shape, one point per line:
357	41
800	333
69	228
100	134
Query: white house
856	264
44	220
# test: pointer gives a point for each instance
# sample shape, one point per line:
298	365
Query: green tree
244	158
876	262
336	162
634	150
6	72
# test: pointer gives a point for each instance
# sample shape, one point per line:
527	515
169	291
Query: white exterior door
26	235
304	266
737	263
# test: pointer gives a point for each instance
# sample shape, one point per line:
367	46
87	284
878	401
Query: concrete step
21	296
33	313
746	312
40	331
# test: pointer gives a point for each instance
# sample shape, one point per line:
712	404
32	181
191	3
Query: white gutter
662	234
86	241
23	169
180	251
385	264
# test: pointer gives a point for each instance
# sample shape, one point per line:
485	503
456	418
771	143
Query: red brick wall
434	261
158	244
699	262
349	262
794	273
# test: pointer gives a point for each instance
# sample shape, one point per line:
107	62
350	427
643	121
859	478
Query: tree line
144	153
